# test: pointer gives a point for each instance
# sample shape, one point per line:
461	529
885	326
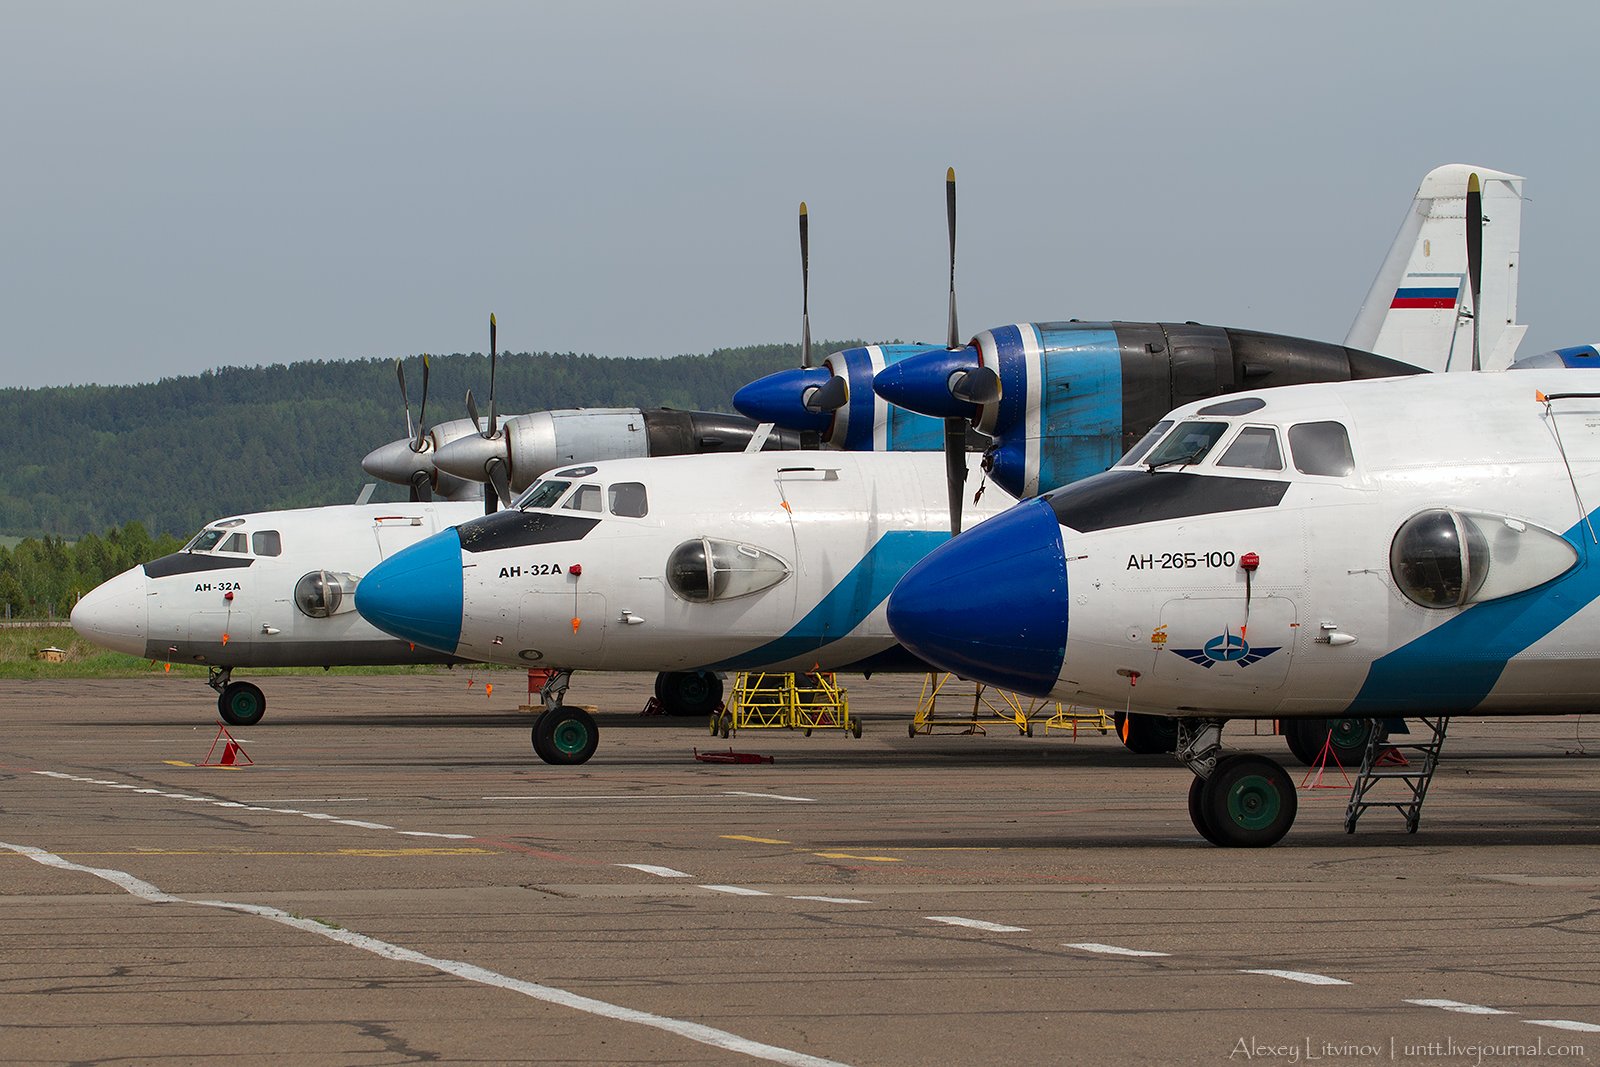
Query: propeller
1475	255
497	490
955	429
805	289
419	480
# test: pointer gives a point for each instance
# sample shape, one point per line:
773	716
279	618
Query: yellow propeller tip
1472	183
491	318
802	207
950	175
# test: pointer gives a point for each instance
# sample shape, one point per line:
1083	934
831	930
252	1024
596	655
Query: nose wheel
563	735
239	703
1236	800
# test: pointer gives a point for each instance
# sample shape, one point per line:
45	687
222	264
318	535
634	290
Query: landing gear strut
1237	800
239	703
563	735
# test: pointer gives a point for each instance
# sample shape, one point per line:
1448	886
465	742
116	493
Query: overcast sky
193	185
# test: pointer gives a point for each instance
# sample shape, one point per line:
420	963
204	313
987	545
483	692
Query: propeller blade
500	482
805	289
1474	255
405	402
955	467
831	396
980	385
422	408
950	211
472	412
493	421
491	500
421	487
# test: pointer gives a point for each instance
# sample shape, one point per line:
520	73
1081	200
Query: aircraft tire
241	704
1248	802
1197	813
1146	735
565	736
1305	738
689	692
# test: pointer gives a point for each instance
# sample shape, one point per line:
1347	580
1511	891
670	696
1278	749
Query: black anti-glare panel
1128	498
514	529
191	562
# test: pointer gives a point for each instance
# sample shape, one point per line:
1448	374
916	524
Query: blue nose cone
991	605
416	593
780	399
922	383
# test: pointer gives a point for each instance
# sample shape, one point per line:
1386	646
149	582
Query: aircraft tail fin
1419	309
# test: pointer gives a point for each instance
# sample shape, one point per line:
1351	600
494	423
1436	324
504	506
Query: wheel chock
232	751
731	756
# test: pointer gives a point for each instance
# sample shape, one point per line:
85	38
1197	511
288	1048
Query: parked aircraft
1406	547
683	564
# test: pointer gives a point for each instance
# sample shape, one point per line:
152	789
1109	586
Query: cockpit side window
234	543
1322	448
544	494
1188	444
267	543
585	498
1256	447
628	499
1154	434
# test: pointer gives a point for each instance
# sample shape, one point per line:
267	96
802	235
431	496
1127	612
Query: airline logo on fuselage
1226	648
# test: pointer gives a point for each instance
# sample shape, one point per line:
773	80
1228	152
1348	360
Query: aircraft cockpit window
1256	447
267	543
628	499
585	498
1322	448
235	543
1152	435
1186	445
706	570
1447	559
204	541
544	494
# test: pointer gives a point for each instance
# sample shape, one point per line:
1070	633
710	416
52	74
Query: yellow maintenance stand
997	707
763	700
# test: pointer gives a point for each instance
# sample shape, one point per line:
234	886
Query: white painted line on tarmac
978	924
832	900
1458	1006
1114	950
1565	1024
705	1035
429	833
363	824
650	868
737	890
769	796
1303	977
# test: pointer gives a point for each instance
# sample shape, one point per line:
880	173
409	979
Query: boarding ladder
1386	761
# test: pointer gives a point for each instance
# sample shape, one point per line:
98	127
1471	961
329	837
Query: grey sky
205	184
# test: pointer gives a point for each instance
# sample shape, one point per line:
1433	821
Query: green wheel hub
1253	802
570	737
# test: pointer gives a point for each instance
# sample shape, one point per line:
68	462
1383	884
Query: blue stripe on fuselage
1453	667
847	604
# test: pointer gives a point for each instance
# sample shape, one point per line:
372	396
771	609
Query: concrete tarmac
397	879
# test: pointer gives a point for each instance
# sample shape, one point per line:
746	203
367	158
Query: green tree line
42	577
174	454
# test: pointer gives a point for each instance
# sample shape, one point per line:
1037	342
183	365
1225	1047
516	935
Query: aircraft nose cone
922	383
991	604
780	399
416	593
114	614
395	462
465	457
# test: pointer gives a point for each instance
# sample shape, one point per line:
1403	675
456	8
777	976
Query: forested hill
173	454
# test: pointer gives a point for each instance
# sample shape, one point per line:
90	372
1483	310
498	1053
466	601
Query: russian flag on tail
1431	296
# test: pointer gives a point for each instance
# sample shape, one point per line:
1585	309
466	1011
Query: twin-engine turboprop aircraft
1417	546
680	564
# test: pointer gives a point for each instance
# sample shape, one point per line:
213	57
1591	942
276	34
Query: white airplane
687	564
1403	547
270	589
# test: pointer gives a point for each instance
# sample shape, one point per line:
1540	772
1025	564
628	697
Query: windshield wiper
1184	460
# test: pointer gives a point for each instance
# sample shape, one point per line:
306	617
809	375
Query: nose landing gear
1237	800
563	735
239	703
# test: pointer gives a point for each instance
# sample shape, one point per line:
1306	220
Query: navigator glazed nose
114	614
416	593
781	399
991	605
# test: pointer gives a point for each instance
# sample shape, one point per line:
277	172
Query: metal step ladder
1414	773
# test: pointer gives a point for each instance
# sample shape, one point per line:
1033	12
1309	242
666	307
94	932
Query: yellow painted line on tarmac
755	840
853	856
177	763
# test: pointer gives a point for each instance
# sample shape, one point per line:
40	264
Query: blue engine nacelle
855	417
